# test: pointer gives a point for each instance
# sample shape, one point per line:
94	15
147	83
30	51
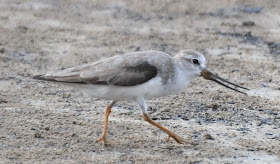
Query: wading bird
137	77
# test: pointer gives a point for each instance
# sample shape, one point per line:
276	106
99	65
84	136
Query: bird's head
194	63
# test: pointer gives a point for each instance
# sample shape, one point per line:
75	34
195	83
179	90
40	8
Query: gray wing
124	70
121	75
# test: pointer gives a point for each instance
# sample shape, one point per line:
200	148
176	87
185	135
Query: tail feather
57	79
44	77
39	77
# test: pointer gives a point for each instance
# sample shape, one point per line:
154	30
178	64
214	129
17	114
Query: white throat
181	79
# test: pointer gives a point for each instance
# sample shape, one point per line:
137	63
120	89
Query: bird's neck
180	80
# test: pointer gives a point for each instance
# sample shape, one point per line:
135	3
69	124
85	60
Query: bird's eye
195	61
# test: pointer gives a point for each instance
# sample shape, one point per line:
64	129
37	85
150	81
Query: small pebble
166	118
261	122
37	135
264	84
2	50
248	23
66	95
208	137
3	101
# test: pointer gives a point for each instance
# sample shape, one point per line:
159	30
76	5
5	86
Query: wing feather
121	70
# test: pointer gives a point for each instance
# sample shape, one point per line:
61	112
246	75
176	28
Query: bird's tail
39	77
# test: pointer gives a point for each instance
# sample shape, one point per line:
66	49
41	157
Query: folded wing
124	70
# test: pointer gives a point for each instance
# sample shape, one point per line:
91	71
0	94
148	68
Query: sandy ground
42	122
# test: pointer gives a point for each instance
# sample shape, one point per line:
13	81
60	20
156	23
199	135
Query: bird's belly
147	90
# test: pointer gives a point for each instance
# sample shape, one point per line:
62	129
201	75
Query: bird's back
122	70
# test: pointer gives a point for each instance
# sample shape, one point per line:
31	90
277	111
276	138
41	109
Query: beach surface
44	122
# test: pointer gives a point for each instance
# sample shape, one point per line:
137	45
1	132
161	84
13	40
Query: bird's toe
177	138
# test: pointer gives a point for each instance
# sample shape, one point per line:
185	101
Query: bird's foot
102	139
177	138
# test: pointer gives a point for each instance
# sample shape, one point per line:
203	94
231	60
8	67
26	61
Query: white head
191	61
193	64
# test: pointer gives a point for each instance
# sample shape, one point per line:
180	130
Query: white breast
151	89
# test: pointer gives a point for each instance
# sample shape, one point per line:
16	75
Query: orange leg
177	138
107	113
